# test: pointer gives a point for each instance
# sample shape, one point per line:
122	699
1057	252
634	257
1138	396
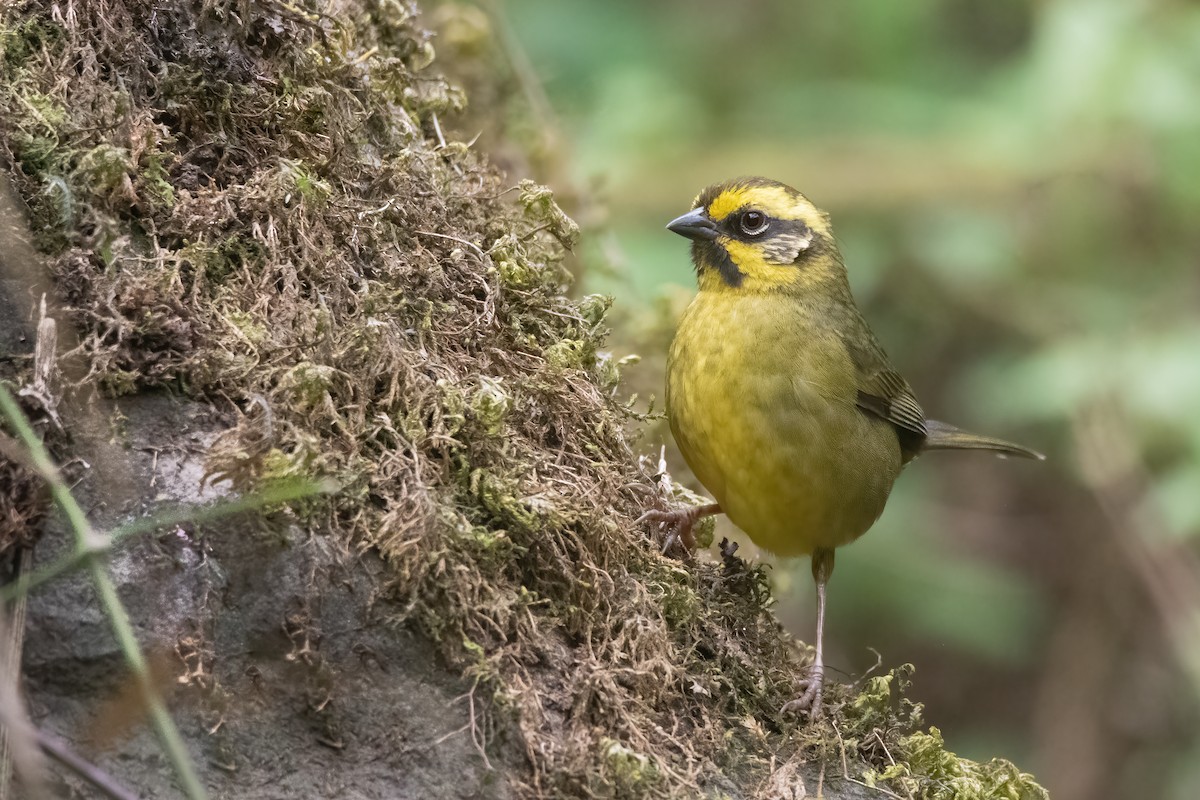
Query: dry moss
252	203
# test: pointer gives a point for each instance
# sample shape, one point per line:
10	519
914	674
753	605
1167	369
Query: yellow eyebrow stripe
774	200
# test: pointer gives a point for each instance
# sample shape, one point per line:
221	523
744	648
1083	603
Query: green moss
680	604
704	531
539	204
44	111
384	312
593	308
277	465
474	649
881	703
156	181
38	138
105	168
490	405
309	384
881	722
221	261
298	182
628	772
249	328
512	265
27	37
499	496
570	354
118	382
928	770
490	548
452	409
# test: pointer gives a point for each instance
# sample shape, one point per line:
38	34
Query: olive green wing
886	394
882	391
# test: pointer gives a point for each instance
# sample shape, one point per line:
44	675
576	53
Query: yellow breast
761	400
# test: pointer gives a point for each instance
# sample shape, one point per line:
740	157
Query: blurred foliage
1015	187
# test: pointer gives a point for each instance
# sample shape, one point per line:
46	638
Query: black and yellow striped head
755	234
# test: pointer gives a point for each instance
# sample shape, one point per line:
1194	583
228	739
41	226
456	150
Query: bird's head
755	234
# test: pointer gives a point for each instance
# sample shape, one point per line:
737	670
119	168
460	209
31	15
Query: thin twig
846	766
437	127
87	541
842	746
477	736
821	774
1113	470
526	73
95	776
888	753
872	668
18	749
472	245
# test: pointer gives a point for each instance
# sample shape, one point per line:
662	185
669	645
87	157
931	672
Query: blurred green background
1016	190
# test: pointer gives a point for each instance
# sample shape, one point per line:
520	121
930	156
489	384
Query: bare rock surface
286	679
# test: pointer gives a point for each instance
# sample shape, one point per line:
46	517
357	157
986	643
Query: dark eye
753	222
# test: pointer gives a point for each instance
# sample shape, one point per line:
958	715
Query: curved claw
810	699
678	525
655	515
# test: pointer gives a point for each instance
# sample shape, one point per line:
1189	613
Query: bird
779	396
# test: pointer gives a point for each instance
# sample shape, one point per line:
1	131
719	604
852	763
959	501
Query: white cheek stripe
784	248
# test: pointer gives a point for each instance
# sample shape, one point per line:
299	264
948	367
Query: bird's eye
753	222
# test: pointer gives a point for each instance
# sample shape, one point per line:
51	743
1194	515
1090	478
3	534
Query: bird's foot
676	526
809	699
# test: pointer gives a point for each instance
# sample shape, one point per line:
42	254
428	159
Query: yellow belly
762	404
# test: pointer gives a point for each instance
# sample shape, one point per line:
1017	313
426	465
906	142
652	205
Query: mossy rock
253	206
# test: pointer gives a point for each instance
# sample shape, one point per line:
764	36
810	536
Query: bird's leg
678	524
810	699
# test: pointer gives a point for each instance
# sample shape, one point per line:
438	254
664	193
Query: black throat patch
710	254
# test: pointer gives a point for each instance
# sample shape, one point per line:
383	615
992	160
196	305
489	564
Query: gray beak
694	225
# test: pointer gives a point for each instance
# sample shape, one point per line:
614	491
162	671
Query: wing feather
882	391
886	394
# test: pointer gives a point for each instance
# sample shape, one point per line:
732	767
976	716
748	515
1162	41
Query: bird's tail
942	436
